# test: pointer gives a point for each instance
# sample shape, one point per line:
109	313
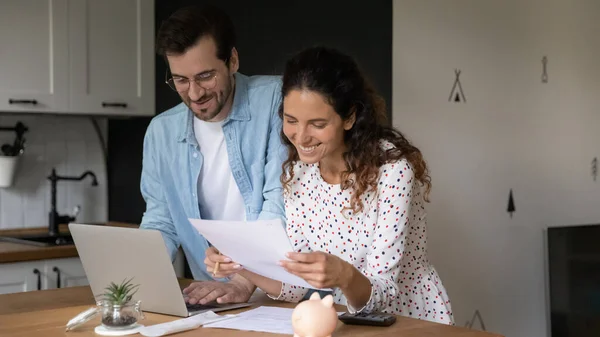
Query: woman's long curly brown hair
338	78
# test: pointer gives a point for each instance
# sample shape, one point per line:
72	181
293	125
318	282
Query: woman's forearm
269	286
356	287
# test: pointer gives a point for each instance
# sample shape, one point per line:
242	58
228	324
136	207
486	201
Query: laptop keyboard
198	306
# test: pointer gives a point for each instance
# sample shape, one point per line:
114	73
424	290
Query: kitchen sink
40	240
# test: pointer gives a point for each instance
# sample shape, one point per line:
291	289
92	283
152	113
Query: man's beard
205	114
220	100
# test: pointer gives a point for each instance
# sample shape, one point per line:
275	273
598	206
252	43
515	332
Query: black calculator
373	319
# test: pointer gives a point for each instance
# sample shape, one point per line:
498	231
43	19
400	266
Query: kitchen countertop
17	252
45	313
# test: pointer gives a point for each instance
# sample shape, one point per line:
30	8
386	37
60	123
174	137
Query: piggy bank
314	317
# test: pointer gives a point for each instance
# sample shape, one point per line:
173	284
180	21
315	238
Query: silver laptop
113	254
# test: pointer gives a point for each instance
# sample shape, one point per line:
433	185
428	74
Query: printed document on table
263	319
257	245
183	324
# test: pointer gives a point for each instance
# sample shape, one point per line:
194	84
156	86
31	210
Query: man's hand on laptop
238	290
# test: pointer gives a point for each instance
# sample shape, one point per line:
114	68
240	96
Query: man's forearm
243	282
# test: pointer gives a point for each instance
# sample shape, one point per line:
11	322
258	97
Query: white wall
514	132
67	143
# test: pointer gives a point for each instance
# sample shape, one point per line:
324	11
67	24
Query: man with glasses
218	154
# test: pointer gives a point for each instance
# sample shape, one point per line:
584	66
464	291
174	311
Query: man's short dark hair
187	25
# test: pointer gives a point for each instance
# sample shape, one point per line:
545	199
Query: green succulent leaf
119	294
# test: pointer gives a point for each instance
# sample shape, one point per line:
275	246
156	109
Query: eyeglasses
207	81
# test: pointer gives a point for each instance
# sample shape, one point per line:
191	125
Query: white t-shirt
219	197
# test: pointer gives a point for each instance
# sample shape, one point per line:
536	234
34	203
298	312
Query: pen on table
82	318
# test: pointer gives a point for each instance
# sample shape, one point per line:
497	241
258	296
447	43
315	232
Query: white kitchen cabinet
111	57
33	56
22	276
41	275
64	273
77	56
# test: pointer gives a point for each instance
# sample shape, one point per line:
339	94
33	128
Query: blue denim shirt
172	162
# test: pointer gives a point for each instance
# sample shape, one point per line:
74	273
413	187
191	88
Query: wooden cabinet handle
113	105
22	101
39	280
57	271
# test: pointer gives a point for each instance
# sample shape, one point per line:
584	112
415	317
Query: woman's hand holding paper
319	269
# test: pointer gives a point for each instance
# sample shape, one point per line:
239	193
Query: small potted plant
117	307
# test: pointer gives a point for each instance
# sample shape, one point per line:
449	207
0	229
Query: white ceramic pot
8	168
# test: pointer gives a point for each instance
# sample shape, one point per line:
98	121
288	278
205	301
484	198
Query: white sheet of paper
183	324
262	319
256	245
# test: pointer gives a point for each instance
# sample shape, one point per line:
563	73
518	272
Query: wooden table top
45	314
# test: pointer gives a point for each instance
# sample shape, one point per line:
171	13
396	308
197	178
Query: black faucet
54	219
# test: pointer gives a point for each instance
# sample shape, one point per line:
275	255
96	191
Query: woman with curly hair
354	196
